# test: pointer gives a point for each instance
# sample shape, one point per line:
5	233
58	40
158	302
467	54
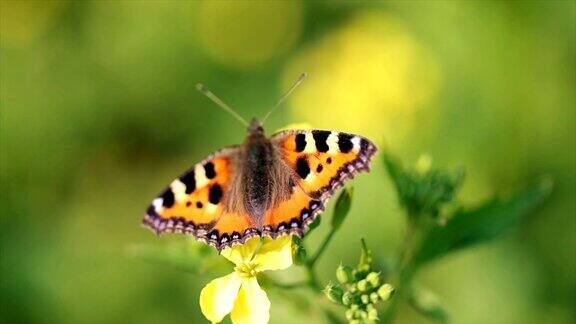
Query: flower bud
362	314
369	307
363	269
365	258
355	274
353	288
374	298
344	274
342	207
333	293
362	285
374	279
347	298
349	315
365	299
354	307
385	291
372	314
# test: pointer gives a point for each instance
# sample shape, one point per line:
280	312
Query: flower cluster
360	289
423	189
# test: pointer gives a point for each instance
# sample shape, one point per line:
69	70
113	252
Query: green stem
404	268
321	249
309	264
294	285
313	281
401	286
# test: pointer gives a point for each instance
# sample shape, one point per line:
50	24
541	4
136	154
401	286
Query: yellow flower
239	292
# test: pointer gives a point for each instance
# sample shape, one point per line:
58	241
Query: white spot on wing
332	142
310	177
179	190
211	209
310	143
200	176
157	203
356	144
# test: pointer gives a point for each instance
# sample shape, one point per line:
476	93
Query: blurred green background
99	112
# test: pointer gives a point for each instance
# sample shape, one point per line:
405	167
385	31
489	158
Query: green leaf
485	223
315	223
298	250
342	207
427	304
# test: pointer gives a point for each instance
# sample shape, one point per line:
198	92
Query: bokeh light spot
242	34
371	76
22	22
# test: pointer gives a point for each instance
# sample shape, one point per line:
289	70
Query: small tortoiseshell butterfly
267	186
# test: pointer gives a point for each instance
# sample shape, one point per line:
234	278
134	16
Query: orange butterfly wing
293	215
194	204
321	162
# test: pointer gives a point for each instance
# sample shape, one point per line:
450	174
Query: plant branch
313	281
404	268
293	285
321	249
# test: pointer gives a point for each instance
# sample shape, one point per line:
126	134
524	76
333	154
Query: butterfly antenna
301	78
205	91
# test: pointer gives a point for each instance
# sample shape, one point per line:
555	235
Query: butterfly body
257	171
262	178
267	186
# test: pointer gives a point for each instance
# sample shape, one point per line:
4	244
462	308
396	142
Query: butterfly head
255	127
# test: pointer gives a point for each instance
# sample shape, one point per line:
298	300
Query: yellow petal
217	297
252	305
243	253
274	254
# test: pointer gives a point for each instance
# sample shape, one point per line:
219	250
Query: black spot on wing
302	167
209	170
320	138
188	180
198	204
168	198
345	142
151	211
319	168
300	142
329	160
215	194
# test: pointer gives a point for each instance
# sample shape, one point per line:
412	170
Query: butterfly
266	186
